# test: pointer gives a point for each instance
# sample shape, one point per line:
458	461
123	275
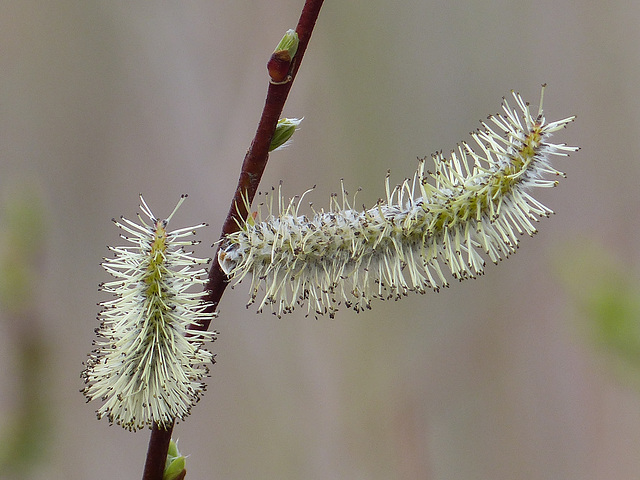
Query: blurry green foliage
607	293
22	236
21	242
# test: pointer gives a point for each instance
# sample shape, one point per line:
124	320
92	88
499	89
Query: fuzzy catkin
437	222
148	365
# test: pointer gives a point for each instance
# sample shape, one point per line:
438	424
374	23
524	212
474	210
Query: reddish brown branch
257	156
157	453
255	161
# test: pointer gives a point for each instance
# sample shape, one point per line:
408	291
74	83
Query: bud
285	129
175	466
280	61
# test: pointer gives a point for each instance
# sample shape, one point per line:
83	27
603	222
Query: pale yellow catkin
473	205
148	365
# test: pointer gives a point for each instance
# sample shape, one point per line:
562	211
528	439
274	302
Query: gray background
493	378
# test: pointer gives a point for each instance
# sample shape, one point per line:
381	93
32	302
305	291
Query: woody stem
255	161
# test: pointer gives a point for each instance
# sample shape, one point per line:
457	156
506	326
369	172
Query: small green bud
173	450
175	469
289	43
175	464
280	61
285	129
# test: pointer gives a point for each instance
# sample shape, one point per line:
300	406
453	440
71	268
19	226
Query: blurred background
530	372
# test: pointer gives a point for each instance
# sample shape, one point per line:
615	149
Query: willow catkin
473	205
148	364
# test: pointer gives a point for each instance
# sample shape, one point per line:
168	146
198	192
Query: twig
257	156
253	167
157	453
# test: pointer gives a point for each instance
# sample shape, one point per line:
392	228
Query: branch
255	161
257	156
157	453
